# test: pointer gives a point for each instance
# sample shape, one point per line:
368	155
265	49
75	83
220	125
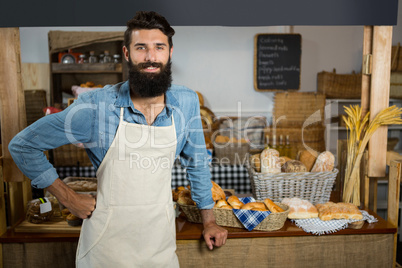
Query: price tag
46	206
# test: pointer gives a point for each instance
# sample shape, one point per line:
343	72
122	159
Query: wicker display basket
315	187
339	86
226	217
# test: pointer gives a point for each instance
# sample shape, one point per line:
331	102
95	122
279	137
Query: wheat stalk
359	133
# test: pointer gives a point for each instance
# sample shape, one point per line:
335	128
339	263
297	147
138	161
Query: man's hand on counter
80	205
214	235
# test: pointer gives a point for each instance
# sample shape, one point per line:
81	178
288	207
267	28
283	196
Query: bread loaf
217	192
336	211
293	166
308	158
185	198
300	209
255	206
325	162
274	208
222	204
270	161
255	162
235	202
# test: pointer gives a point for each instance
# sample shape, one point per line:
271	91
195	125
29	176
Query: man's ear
171	51
126	53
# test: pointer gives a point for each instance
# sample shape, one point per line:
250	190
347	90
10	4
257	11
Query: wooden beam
394	183
13	117
3	221
379	97
367	50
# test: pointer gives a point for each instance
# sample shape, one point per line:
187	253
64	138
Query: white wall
218	61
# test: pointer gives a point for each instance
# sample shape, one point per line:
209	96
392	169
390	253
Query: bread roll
325	162
270	161
255	162
217	192
255	206
221	139
274	208
222	204
300	209
235	202
283	160
293	166
185	198
308	158
336	211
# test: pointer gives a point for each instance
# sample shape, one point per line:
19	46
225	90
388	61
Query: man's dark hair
148	20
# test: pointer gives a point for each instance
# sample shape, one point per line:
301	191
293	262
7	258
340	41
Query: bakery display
300	209
336	211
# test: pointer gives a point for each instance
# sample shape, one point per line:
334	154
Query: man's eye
160	48
140	48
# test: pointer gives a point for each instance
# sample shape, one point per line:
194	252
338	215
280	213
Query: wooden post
394	183
367	50
379	97
3	222
13	117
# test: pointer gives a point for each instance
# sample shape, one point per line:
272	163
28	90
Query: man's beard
149	84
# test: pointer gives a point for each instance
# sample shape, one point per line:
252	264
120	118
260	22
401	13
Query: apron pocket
92	231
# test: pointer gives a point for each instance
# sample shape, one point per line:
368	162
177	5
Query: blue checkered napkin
250	218
319	227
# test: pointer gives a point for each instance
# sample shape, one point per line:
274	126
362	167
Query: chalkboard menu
277	59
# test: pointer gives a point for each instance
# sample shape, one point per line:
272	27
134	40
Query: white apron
133	224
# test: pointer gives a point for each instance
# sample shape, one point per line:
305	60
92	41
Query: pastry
255	162
325	162
217	192
185	198
336	211
293	166
308	158
274	208
235	202
222	204
255	206
300	209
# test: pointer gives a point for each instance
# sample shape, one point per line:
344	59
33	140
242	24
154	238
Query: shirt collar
124	100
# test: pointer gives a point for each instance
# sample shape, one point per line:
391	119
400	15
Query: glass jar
82	59
116	58
107	58
101	56
92	57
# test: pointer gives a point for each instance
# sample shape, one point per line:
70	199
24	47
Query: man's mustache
147	64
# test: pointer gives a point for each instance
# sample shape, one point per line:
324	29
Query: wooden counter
370	246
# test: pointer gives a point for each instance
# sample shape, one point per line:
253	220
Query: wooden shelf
93	68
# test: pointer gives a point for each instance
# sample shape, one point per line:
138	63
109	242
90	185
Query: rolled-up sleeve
194	158
26	148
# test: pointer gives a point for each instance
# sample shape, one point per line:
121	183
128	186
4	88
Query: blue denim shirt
93	120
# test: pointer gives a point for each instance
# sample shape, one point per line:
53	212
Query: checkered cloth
319	227
227	176
250	218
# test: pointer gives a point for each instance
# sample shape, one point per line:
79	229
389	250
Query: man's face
149	62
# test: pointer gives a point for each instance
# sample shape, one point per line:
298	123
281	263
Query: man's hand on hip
214	235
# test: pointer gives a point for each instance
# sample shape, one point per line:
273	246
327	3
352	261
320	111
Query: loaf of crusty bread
300	209
217	192
222	204
308	158
293	166
325	162
336	211
235	202
255	206
270	161
185	198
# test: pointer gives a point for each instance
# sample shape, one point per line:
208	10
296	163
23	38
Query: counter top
189	231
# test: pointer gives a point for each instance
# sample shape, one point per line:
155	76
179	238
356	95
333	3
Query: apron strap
121	114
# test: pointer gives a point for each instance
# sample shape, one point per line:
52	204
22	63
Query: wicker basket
315	187
70	155
231	153
293	109
226	217
395	91
339	86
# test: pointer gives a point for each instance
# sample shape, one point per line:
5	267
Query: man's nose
151	55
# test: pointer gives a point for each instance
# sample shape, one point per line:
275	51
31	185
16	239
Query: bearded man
124	128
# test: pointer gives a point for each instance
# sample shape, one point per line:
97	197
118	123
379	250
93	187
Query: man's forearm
208	217
62	192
